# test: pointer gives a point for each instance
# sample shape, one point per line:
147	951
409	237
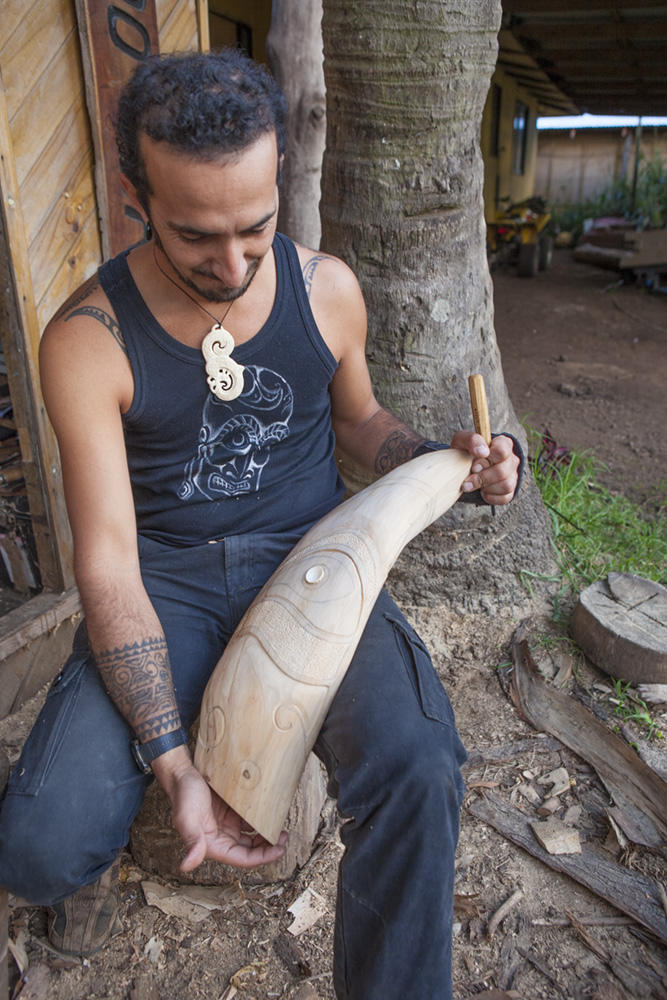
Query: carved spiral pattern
287	716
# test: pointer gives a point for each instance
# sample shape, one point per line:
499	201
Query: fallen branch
629	891
637	789
502	912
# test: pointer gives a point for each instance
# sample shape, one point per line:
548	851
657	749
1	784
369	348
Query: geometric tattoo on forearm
138	679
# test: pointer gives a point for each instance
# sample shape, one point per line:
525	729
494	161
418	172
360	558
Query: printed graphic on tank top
237	437
202	468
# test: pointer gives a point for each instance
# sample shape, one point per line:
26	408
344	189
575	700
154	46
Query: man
188	479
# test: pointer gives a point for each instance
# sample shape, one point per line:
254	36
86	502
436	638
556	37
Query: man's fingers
196	853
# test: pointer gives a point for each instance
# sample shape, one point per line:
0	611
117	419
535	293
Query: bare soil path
586	358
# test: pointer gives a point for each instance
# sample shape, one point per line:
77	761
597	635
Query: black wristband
145	753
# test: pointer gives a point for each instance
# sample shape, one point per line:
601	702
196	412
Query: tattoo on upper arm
102	317
399	447
308	271
72	303
138	679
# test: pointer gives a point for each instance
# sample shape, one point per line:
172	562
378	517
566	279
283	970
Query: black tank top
202	468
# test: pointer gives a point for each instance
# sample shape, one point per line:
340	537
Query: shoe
83	923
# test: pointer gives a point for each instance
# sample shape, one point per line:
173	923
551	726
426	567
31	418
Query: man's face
213	220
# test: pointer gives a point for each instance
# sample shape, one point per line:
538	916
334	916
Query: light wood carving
269	694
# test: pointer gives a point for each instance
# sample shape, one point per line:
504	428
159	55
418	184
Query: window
519	136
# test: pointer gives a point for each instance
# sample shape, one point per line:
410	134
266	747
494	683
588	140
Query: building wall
49	232
500	179
576	166
46	136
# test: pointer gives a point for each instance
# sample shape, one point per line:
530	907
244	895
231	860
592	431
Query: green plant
646	202
595	531
631	708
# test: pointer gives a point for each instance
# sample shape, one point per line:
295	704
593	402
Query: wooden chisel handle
480	409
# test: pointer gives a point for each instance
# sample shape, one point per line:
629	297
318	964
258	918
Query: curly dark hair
200	103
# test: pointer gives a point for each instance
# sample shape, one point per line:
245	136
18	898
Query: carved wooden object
269	694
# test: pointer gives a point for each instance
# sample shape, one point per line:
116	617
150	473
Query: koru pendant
223	374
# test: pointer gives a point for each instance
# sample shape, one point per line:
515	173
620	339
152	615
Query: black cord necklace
223	374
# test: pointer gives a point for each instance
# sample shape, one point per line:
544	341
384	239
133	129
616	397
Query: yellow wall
575	167
499	180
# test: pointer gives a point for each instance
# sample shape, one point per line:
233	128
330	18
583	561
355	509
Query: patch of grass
631	708
596	531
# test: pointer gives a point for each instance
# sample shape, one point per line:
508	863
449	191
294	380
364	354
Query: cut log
621	625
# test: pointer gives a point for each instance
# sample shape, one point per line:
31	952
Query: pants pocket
426	684
45	739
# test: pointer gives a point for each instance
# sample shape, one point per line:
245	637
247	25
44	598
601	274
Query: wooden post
114	37
294	47
202	25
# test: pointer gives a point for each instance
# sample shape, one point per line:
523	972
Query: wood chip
465	906
529	793
291	955
306	910
653	694
549	807
558	779
555	837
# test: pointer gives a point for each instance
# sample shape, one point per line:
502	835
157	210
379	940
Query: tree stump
158	849
621	625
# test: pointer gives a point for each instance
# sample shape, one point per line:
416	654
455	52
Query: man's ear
133	197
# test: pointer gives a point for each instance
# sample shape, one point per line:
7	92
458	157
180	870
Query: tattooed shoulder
309	268
78	297
102	317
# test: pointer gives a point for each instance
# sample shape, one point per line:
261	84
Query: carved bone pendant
268	696
223	374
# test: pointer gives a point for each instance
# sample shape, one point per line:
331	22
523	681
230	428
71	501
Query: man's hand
210	829
495	469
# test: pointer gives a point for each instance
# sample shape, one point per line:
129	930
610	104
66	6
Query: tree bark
402	196
294	46
402	203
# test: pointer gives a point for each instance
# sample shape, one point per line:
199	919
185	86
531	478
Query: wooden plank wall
41	71
47	194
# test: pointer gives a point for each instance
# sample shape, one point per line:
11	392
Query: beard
219	292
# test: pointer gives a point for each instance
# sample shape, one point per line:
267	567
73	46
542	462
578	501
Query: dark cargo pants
389	744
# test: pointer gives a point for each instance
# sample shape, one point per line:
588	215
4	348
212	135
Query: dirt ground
586	357
587	361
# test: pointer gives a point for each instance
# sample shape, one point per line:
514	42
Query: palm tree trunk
402	204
